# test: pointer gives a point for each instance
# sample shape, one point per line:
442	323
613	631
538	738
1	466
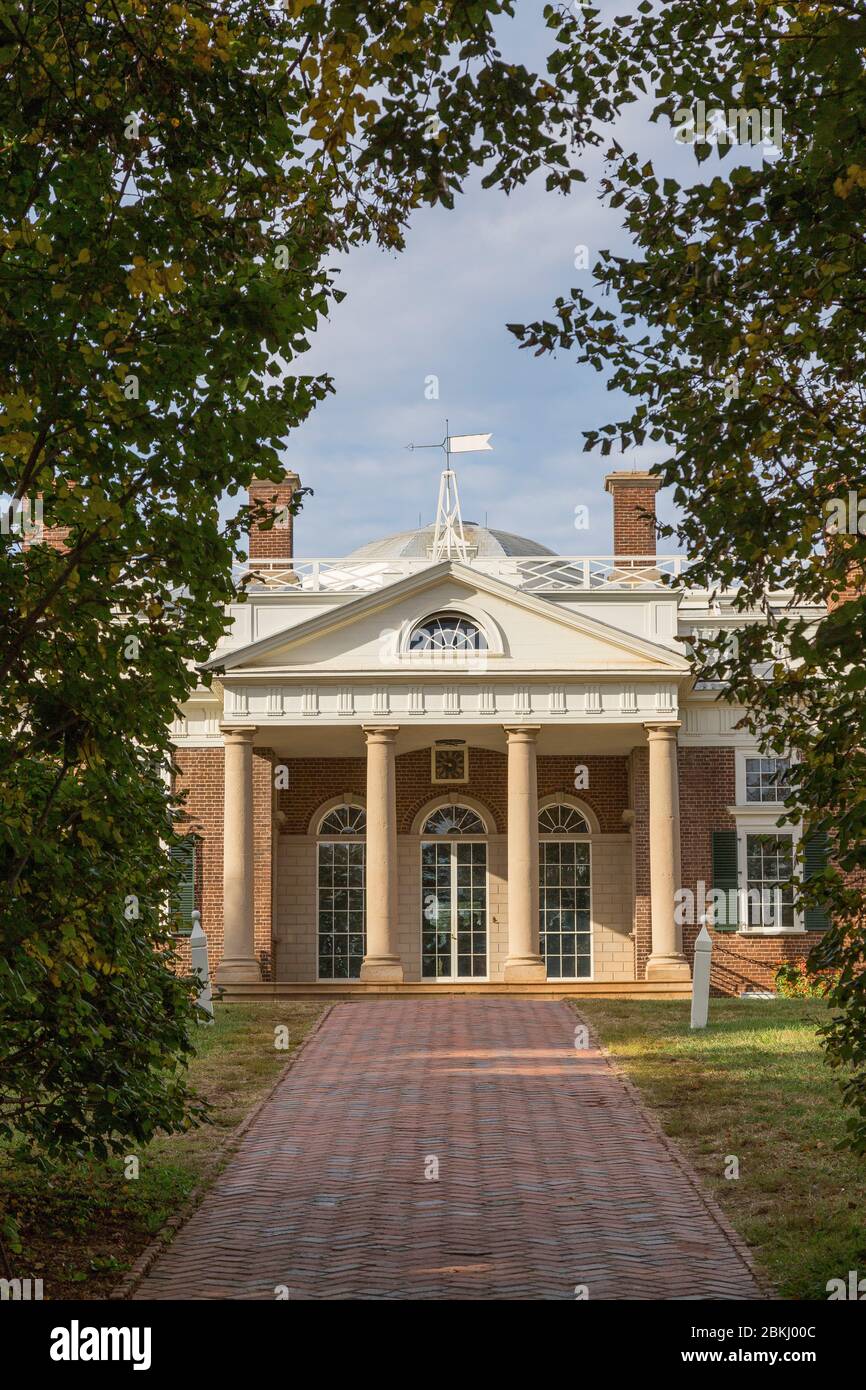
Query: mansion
454	760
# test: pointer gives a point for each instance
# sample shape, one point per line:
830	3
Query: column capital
238	733
380	733
667	730
526	733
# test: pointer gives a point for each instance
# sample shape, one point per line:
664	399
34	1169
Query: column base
383	970
237	970
524	970
668	968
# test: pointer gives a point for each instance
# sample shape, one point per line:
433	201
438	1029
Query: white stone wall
295	908
612	908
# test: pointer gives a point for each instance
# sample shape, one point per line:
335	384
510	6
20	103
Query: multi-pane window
767	779
453	895
341	912
454	909
564	904
447	632
769	867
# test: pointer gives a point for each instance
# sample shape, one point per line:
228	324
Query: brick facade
200	776
314	781
707	789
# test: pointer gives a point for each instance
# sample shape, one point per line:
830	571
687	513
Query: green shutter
725	876
814	860
183	859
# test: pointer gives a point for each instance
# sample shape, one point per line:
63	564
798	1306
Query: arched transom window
344	820
341	854
561	820
454	820
447	632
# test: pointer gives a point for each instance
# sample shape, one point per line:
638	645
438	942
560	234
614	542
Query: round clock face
450	764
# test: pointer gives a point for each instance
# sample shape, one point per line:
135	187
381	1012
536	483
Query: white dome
419	544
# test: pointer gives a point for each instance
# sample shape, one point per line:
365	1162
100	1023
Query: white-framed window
761	779
453	894
769	869
565	892
766	859
447	632
766	779
561	819
453	820
341	894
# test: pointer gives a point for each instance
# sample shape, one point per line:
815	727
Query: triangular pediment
526	633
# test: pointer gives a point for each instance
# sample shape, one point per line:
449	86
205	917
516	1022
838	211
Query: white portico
465	758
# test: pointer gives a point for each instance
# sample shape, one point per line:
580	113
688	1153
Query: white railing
534	574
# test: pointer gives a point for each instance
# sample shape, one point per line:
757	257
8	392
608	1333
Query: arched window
344	820
453	894
454	820
447	632
564	892
341	853
560	819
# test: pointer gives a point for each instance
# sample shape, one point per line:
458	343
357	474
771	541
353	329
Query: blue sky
440	308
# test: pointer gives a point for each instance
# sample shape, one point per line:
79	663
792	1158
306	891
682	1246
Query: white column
238	963
382	960
667	961
523	962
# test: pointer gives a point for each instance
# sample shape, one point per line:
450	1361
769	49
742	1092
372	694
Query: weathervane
449	522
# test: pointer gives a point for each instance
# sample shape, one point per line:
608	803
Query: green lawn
753	1084
83	1226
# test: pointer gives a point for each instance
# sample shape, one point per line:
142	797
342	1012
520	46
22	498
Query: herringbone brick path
549	1173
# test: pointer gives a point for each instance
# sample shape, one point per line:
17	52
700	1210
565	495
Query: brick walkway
550	1175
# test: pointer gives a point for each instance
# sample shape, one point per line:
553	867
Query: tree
175	177
737	327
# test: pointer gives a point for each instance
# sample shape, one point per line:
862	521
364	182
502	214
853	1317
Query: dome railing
534	574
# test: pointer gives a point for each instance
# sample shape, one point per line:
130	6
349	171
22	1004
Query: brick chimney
37	533
634	512
275	544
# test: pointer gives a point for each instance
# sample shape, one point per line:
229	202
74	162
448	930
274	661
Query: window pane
564	916
769	866
342	909
447	632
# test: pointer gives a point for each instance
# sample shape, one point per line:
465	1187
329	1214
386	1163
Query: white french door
453	909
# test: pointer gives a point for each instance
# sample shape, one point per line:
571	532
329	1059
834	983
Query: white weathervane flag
468	443
449	538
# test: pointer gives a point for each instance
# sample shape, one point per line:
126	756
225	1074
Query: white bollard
198	953
701	979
